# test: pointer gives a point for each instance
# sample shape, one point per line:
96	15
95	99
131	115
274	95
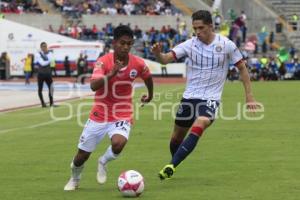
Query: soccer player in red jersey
111	114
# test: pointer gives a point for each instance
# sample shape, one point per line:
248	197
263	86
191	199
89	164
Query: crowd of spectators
235	27
272	68
269	67
20	6
113	7
261	67
168	36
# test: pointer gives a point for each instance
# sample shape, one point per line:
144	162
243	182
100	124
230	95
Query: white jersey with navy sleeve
43	59
207	66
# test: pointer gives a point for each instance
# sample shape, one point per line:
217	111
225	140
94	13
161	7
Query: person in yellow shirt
27	67
295	20
52	66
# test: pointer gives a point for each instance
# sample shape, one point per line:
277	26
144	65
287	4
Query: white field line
55	120
39	124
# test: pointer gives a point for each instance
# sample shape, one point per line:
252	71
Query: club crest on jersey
219	48
133	73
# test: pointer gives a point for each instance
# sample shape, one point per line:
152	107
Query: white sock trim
76	171
108	156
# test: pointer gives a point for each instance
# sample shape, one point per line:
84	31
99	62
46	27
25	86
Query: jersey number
119	124
211	104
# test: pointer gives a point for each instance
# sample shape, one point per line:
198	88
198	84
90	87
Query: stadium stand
81	20
290	12
20	6
113	7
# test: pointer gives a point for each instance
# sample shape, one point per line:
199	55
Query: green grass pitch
235	160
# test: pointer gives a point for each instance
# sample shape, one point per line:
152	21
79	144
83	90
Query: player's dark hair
203	15
43	43
121	31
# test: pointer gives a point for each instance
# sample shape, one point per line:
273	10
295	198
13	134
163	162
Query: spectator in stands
253	73
263	72
217	21
282	71
233	74
264	47
113	7
167	36
62	30
58	3
232	15
243	18
94	32
272	69
20	6
50	29
296	66
271	40
292	51
75	32
234	29
137	32
255	48
295	20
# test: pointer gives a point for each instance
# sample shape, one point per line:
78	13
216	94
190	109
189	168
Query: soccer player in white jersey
208	57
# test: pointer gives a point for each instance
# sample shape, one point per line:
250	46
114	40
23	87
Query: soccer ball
131	183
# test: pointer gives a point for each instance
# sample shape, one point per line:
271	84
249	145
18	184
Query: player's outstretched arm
149	85
163	58
251	103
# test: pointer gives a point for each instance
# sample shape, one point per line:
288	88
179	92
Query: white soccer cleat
71	185
101	174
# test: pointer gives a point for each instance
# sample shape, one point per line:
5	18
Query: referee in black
42	61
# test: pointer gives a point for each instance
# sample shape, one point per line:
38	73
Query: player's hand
252	105
156	49
145	99
118	65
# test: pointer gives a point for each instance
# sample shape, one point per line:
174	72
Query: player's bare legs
186	147
81	157
77	166
118	142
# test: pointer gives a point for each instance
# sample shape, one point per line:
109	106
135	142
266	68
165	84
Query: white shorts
94	132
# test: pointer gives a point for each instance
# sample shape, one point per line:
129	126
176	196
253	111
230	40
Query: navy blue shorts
190	109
